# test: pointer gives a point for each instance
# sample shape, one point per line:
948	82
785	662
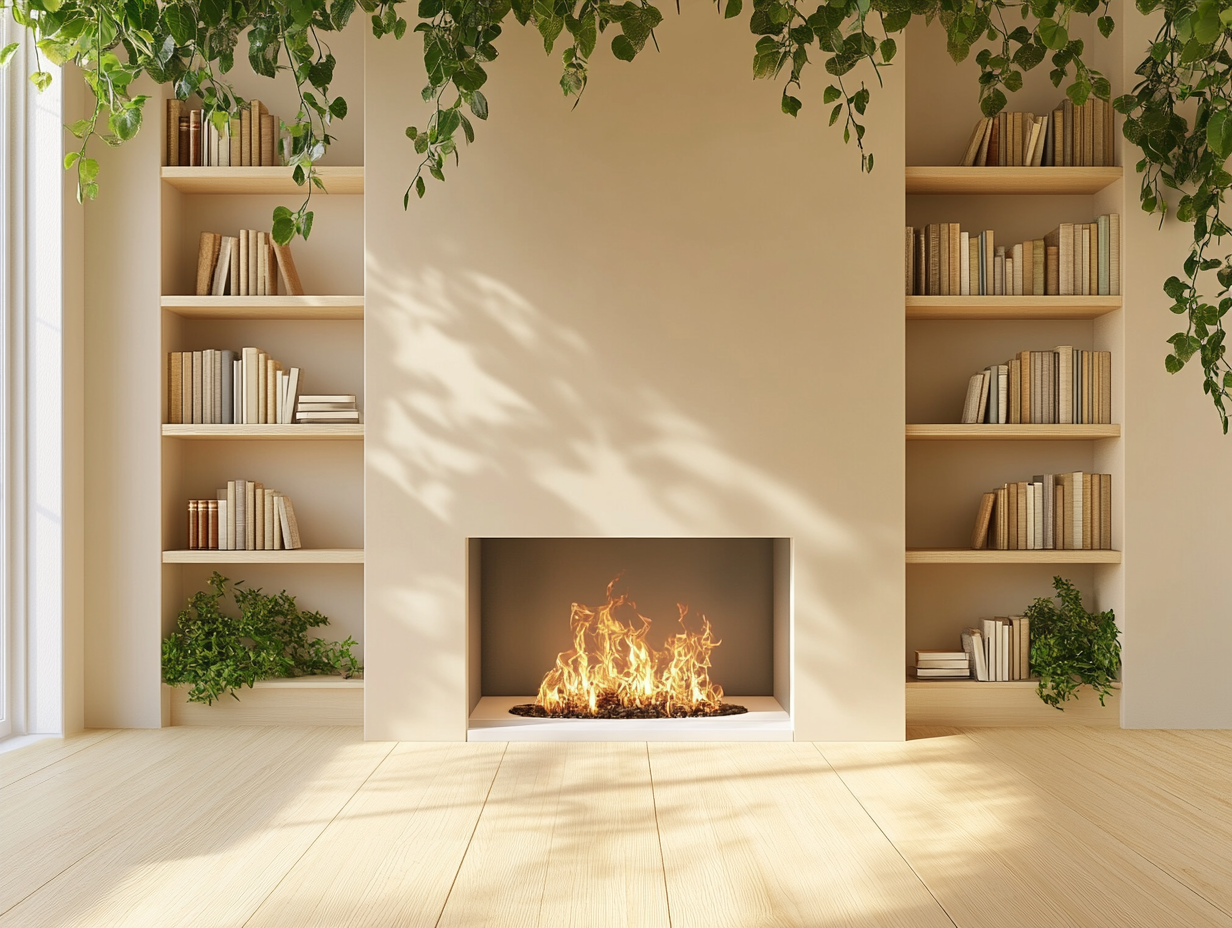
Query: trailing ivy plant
217	654
1071	647
192	45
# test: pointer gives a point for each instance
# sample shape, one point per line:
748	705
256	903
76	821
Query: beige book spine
1093	258
1105	511
1018	270
230	515
277	521
908	259
267	140
175	387
242	263
271	391
1028	269
955	265
1088	131
1100	134
286	268
943	264
979	535
211	530
252	262
246	137
205	263
1086	512
261	272
1114	254
192	524
269	521
256	110
258	530
291	527
262	364
196	388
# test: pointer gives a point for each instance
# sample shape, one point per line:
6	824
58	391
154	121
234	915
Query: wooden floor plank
766	834
209	847
14	765
567	838
997	850
391	855
1100	779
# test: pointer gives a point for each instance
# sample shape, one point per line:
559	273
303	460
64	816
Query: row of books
1069	136
245	517
1064	386
248	264
224	387
1074	259
249	138
333	408
1000	649
1068	512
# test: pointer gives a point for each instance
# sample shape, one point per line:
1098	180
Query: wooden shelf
304	432
254	181
1063	181
968	556
956	432
290	701
1010	307
297	556
265	307
967	703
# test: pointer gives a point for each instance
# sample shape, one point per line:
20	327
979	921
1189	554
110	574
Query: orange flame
611	665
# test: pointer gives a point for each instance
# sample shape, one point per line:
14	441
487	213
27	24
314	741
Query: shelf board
292	701
968	556
967	703
303	432
265	307
253	181
1063	181
297	556
955	432
1010	307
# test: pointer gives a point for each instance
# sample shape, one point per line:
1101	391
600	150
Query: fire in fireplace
612	672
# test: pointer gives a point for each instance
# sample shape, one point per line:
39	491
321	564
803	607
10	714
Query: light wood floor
314	827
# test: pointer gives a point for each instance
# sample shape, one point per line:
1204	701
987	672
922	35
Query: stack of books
249	138
245	517
1052	512
248	264
333	408
225	387
942	664
1064	386
1074	259
1070	136
1000	649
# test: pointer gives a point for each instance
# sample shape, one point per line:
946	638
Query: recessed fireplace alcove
520	593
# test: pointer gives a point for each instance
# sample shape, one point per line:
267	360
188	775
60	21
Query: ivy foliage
217	654
1071	647
1180	117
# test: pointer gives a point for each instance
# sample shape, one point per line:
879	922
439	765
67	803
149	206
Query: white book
1086	260
237	392
1040	489
277	523
207	386
351	415
1030	545
973	644
280	402
964	245
243	263
222	522
990	647
262	250
327	397
222	271
1003	651
292	390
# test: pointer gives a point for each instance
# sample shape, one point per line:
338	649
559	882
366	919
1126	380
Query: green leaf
1172	364
126	122
1052	34
479	105
831	94
419	187
623	49
70	159
284	230
181	23
429	9
888	50
993	103
732	9
1219	134
41	80
790	105
338	108
7	52
1106	25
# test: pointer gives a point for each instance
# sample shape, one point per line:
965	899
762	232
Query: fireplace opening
629	638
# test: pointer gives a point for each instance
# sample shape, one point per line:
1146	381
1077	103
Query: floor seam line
1111	837
654	802
471	837
87	747
897	850
312	843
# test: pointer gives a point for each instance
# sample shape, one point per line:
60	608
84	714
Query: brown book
211	529
182	142
973	144
990	254
1114	254
973	263
1015	389
175	387
256	110
1086	512
1003	518
981	156
1077	140
1052	276
943	260
1086	387
992	159
934	259
921	265
1028	269
1097	515
979	534
205	263
1088	131
1067	131
267	140
1037	267
233	141
173	131
192	525
246	137
1110	138
908	261
1016	143
1105	510
1058	137
1011	515
1100	134
186	373
1024	386
290	528
1023	538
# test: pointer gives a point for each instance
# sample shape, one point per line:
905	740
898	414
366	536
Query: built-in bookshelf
319	464
949	465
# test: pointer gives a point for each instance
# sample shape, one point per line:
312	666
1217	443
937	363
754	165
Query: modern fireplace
685	639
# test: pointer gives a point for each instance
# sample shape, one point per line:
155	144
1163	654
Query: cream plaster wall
664	313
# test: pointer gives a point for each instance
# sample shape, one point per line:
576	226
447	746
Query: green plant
218	654
1071	647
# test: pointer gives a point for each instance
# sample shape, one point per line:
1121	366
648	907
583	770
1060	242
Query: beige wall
664	313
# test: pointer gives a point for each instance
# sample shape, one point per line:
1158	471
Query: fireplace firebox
698	629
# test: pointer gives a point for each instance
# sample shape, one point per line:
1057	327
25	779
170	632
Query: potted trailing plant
1071	647
215	654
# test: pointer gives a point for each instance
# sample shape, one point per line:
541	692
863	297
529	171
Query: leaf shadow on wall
495	420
